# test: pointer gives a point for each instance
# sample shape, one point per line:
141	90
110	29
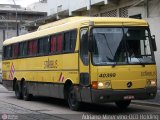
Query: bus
83	60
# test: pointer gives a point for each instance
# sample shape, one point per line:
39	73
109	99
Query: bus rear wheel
123	104
18	92
26	95
73	103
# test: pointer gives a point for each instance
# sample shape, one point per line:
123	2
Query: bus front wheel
123	104
74	104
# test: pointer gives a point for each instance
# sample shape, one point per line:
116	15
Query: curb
146	103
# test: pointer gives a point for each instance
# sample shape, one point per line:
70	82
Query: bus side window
43	45
69	41
4	52
66	42
40	46
7	52
23	49
15	50
32	47
53	42
84	46
59	43
73	37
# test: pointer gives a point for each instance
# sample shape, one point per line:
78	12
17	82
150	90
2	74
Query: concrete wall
71	5
38	6
0	66
54	5
10	33
155	30
1	40
78	5
98	1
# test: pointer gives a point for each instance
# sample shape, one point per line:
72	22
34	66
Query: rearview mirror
153	43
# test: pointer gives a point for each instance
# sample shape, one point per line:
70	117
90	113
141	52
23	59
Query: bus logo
129	84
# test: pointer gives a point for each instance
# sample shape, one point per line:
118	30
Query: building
12	20
37	6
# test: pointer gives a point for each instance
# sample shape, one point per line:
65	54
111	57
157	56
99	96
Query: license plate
129	97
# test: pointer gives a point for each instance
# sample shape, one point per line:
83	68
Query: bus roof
73	23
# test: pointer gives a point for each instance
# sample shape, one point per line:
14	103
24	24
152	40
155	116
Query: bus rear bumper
102	96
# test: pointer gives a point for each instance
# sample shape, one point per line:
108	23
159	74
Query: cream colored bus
83	59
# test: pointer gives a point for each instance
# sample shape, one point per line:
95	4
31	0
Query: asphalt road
41	108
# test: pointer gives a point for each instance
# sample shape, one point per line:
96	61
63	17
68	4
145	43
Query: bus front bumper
102	96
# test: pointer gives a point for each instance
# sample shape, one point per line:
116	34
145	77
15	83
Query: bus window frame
55	51
72	43
80	44
63	52
147	28
36	40
38	48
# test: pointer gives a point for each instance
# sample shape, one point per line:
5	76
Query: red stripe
60	77
11	74
12	70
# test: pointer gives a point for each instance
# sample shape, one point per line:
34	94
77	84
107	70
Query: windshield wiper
115	62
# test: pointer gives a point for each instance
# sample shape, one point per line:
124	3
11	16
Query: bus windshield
121	46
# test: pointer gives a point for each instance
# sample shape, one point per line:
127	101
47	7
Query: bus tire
26	95
73	103
123	104
18	92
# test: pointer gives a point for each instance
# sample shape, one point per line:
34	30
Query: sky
23	3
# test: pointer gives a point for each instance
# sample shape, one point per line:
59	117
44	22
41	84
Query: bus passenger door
84	66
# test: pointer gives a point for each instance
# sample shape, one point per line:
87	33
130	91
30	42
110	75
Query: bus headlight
100	85
108	84
104	84
151	83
